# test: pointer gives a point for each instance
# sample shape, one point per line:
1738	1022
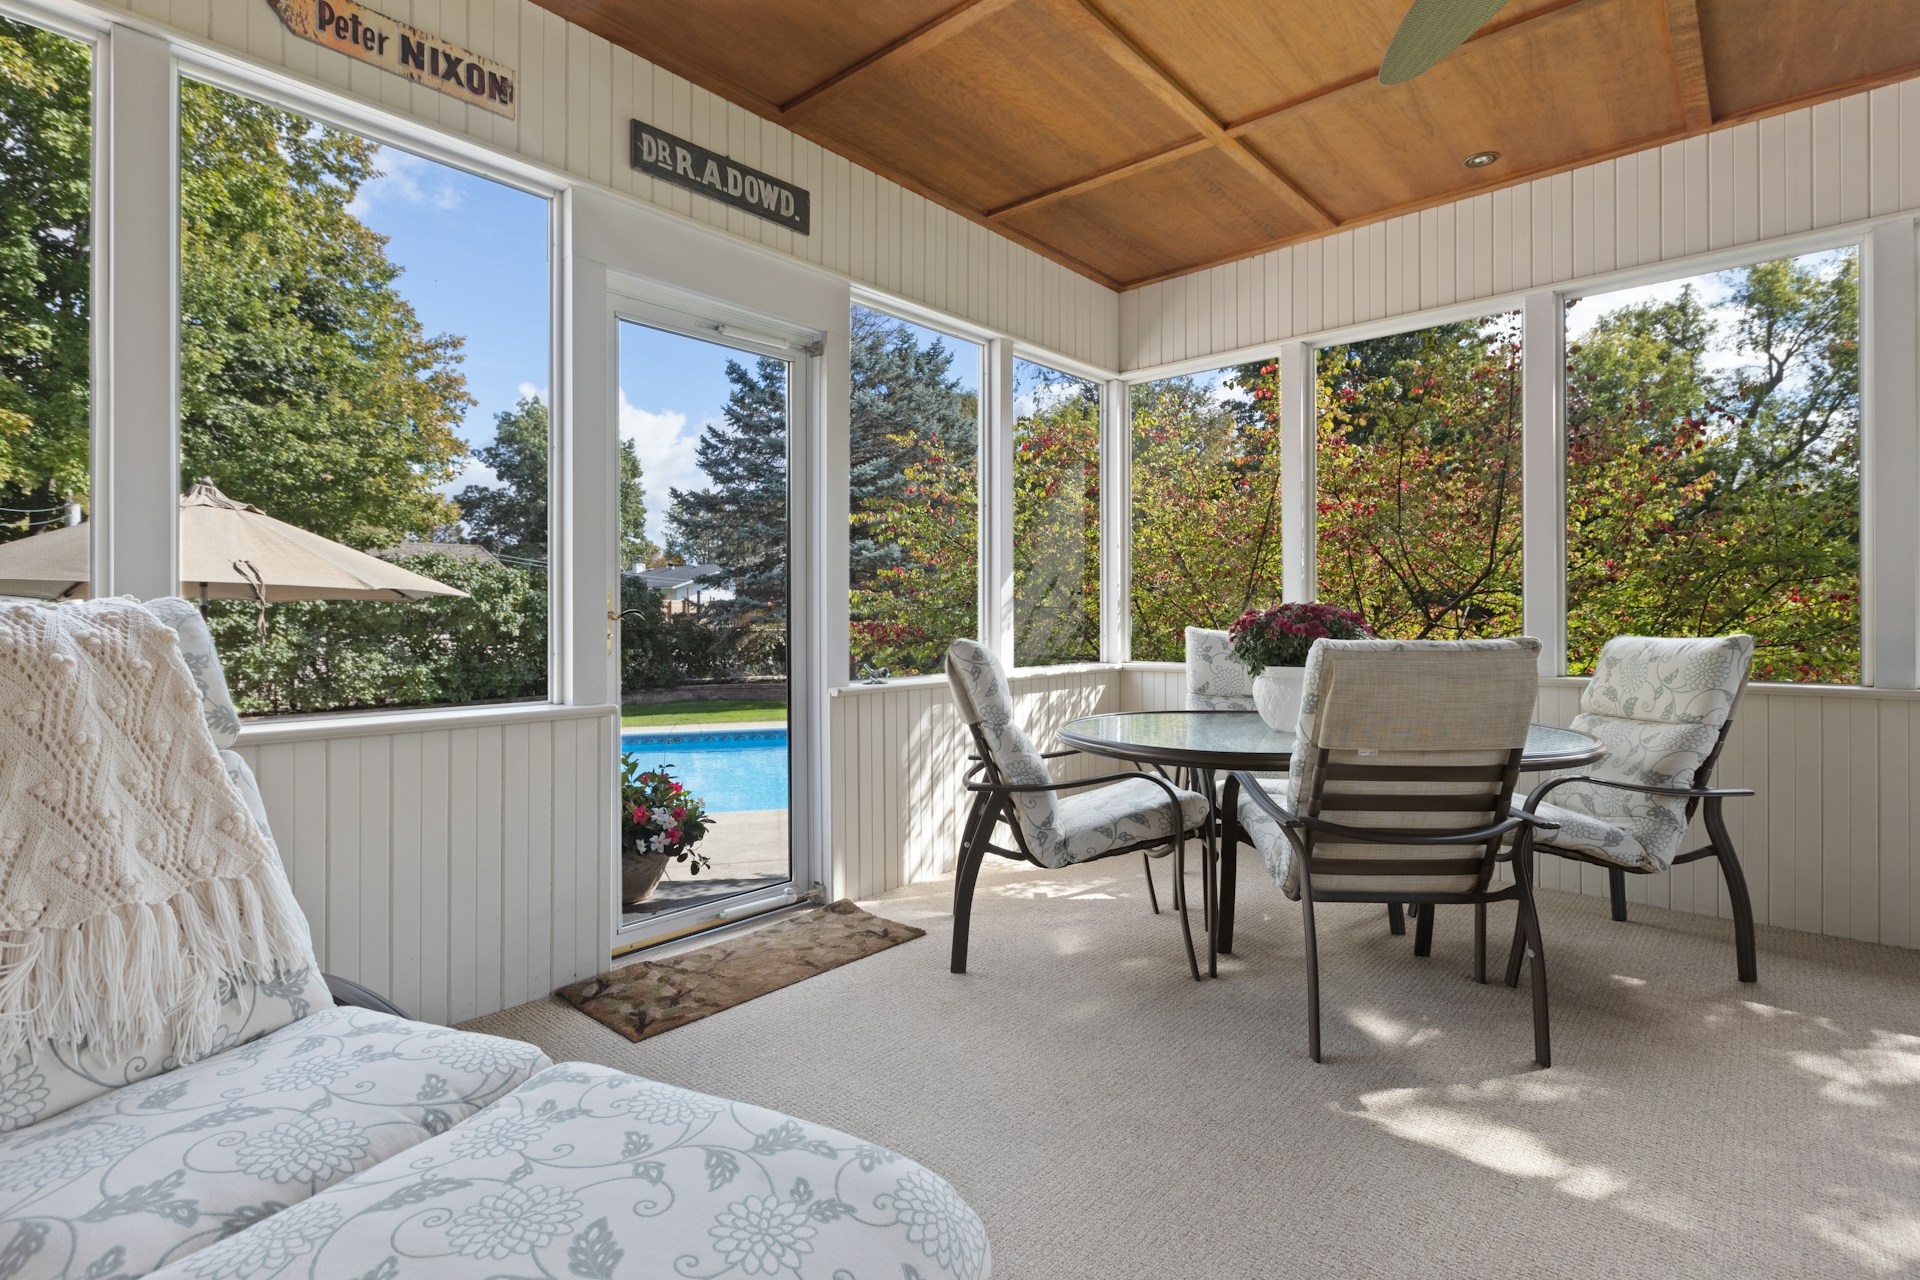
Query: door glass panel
703	555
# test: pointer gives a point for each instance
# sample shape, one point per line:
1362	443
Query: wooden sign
361	33
689	165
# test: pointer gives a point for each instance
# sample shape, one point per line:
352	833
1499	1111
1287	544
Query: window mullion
1890	457
1543	480
1116	523
996	501
1296	471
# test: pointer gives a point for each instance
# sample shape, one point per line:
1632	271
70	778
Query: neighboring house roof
678	575
455	550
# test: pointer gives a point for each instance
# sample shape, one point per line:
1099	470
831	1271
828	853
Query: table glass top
1244	733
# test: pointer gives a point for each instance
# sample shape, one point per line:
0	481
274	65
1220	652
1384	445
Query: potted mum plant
1274	643
660	822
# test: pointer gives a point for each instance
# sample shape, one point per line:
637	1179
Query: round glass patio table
1209	741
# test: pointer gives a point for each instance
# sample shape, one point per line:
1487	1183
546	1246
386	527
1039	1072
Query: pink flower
641	814
675	788
673	835
679	813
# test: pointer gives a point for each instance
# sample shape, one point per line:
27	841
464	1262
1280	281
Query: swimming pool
733	770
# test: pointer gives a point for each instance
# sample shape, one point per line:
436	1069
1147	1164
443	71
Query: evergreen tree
740	522
510	518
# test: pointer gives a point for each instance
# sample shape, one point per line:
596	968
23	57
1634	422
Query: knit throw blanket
132	879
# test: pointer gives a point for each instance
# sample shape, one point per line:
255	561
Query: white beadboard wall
1829	845
577	93
457	869
1829	165
899	753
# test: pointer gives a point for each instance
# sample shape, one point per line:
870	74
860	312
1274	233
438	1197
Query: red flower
679	813
675	788
673	835
641	813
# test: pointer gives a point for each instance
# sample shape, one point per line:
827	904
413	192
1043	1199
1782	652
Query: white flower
303	1149
23	1093
307	1073
498	1135
664	1104
68	1153
763	1236
940	1222
266	1246
481	1055
513	1220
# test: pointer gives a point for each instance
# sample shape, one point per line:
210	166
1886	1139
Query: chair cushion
1259	829
203	660
1101	819
1216	679
1669	680
981	694
155	1171
1592	836
1649	753
587	1171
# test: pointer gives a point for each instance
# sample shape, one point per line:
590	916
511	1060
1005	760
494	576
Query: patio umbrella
228	551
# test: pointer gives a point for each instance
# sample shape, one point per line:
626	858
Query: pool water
731	770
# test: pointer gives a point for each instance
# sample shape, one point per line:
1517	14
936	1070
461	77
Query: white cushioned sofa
343	1143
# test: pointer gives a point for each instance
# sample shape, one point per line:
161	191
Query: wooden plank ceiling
1135	140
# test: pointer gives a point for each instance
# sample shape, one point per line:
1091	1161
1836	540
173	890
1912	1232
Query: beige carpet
1110	1118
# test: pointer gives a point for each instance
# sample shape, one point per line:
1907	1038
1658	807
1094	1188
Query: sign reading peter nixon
359	32
686	164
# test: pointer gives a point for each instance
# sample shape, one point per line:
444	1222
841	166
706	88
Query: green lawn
710	711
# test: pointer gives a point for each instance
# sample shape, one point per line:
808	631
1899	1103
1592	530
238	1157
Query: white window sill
375	724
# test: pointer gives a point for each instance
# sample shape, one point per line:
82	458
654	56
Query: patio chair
1662	708
1401	790
1011	782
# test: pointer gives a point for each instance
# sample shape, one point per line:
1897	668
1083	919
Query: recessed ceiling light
1481	159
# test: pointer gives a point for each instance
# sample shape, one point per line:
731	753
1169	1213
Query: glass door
705	539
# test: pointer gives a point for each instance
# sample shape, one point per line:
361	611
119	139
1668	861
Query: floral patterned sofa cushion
1657	705
1216	680
159	1170
589	1172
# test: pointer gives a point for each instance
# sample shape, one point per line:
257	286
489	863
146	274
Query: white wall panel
577	93
1829	165
457	868
1828	845
899	753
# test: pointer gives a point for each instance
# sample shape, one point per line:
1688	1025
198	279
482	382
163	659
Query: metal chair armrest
1680	793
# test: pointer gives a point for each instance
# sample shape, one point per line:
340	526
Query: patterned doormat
643	999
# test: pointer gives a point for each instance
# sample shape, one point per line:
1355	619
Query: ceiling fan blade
1431	30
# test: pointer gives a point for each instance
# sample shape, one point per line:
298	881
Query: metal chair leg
973	851
1209	880
1423	931
1742	902
1186	922
1530	919
1396	919
1522	874
1146	865
1313	975
1480	943
1617	890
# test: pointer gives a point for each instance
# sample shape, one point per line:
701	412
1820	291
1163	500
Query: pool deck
748	848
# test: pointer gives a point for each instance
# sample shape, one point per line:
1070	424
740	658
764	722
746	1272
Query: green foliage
1056	525
45	243
338	655
307	385
740	523
1206	505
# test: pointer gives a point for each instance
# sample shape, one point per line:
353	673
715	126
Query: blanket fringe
148	973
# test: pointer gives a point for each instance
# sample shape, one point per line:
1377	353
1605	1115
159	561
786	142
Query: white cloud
667	447
473	471
407	179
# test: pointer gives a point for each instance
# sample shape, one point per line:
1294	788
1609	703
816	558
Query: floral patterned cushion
980	692
589	1172
1657	704
159	1170
1101	819
1259	829
203	660
1216	680
54	1076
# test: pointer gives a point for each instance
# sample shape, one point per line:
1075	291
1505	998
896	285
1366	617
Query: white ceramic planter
1276	693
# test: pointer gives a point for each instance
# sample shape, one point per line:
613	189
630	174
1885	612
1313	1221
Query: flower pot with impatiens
1274	644
661	822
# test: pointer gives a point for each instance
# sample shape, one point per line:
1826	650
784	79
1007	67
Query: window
1713	464
1417	480
46	166
1056	517
1206	503
914	495
363	352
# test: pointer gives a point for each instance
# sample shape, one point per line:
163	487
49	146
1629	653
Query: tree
510	518
1206	504
1056	525
740	522
45	253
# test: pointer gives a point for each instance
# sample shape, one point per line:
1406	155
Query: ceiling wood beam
1689	63
929	36
1093	182
1493	33
1119	46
